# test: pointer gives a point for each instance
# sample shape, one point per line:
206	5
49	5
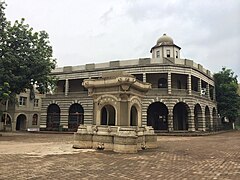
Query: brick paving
205	157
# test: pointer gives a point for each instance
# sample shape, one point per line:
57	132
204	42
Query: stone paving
50	156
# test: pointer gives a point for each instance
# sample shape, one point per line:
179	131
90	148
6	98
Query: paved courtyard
50	156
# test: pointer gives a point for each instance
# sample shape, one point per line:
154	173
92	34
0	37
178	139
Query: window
158	54
35	119
22	101
36	102
176	54
168	53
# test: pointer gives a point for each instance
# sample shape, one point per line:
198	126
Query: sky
94	31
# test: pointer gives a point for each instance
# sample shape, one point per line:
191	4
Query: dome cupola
165	48
164	39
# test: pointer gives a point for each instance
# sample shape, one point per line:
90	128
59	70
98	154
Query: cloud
97	31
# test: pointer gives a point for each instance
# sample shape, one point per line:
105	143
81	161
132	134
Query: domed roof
164	39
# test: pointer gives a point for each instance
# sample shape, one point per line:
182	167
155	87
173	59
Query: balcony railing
174	91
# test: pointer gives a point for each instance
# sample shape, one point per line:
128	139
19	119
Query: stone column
170	121
191	124
189	84
123	116
169	83
144	77
208	91
201	123
211	123
66	87
199	86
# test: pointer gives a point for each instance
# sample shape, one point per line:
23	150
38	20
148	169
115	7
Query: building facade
24	115
182	97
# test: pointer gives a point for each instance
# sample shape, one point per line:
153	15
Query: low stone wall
115	138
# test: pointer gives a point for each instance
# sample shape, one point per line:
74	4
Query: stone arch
207	118
108	115
21	122
215	119
53	102
53	117
157	116
75	116
133	116
181	113
106	99
197	116
136	103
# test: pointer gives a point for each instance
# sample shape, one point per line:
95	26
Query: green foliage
4	92
25	56
228	100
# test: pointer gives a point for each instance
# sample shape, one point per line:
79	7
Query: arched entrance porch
180	116
53	117
75	117
21	122
157	116
207	118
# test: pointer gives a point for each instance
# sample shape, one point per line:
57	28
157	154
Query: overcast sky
93	31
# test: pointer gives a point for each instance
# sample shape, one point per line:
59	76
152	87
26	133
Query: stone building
182	97
24	115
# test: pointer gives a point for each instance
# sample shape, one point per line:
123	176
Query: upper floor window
168	53
176	54
36	102
22	101
158	54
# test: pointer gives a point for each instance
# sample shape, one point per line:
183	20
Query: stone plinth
102	138
115	138
125	141
150	137
83	138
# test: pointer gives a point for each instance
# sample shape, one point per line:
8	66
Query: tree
25	56
228	100
4	96
4	92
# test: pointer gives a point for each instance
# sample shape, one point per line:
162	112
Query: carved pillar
201	123
169	83
189	84
208	91
66	87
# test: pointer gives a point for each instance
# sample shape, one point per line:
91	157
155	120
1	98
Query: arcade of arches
160	119
75	117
